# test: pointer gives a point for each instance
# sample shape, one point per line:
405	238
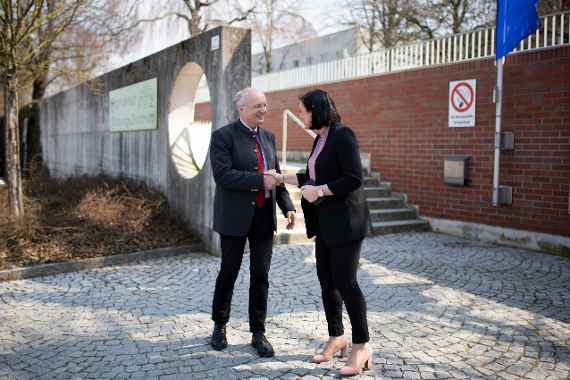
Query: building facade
330	47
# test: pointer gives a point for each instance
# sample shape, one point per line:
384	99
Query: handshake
271	179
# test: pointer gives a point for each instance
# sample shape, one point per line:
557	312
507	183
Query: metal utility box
455	170
505	195
507	141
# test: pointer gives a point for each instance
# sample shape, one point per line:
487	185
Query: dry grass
85	217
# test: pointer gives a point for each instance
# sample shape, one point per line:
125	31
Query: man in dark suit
244	208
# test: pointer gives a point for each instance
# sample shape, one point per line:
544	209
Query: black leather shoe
262	345
219	340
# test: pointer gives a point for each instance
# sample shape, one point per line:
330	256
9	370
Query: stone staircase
389	212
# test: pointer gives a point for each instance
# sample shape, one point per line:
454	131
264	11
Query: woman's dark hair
322	108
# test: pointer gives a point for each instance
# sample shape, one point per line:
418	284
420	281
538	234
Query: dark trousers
260	238
336	270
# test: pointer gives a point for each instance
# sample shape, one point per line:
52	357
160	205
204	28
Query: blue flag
516	19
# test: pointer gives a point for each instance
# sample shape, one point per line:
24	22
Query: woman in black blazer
336	213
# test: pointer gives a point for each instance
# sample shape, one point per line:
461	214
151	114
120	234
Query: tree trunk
268	63
13	171
34	133
39	87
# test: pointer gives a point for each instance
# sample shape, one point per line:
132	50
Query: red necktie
260	198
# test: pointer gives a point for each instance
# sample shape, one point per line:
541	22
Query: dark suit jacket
234	166
342	217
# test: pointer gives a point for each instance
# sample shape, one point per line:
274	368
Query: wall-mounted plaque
134	107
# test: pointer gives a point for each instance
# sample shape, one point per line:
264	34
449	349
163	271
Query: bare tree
200	15
2	134
384	23
364	17
72	56
434	18
192	12
100	27
546	7
22	56
273	22
276	23
387	23
393	20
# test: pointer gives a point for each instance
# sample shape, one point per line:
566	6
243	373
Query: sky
170	31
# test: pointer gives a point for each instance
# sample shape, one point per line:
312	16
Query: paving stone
439	307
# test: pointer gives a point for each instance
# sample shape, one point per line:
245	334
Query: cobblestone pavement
440	307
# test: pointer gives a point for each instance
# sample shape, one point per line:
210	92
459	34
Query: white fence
554	31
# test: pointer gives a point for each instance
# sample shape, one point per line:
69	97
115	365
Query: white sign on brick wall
462	96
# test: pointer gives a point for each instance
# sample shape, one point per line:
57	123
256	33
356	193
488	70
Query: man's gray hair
241	96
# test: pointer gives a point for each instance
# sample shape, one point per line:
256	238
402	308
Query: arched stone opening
189	139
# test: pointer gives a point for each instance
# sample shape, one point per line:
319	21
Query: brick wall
401	119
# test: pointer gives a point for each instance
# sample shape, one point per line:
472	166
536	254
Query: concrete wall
77	140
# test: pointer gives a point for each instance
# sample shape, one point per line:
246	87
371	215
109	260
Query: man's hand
290	220
310	193
277	176
269	181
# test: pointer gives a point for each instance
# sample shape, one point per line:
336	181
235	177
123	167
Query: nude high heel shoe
322	358
352	371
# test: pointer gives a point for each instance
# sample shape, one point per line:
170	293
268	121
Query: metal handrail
297	121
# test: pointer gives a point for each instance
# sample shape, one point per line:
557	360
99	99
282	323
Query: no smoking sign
462	103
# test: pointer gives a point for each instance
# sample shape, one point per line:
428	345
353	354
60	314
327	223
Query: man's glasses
259	107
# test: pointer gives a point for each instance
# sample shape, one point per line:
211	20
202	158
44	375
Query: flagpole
498	108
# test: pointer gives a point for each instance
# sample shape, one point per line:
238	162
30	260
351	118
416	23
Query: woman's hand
311	193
